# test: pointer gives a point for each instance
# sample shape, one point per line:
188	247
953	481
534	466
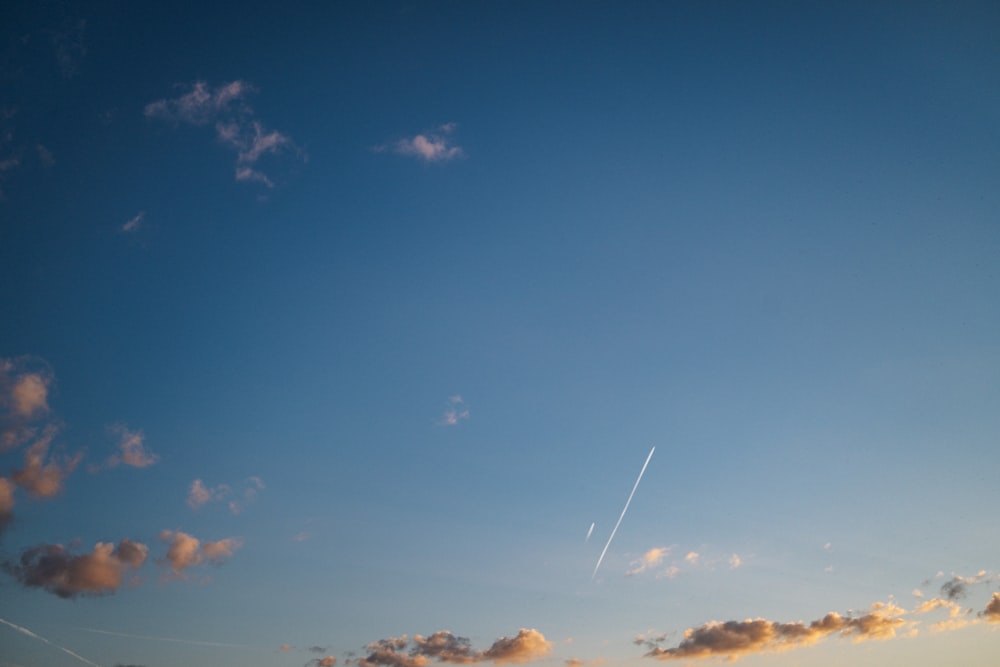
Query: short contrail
625	509
589	531
26	631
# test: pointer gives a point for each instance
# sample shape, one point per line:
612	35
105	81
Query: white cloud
133	223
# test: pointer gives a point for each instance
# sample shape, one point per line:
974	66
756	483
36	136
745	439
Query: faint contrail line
589	531
164	639
625	509
26	631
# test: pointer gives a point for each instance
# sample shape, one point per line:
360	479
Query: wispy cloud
236	501
434	146
42	476
69	46
649	560
236	124
134	223
131	448
662	562
455	412
54	568
186	551
526	646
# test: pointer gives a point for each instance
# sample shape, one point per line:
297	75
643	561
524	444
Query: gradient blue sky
328	327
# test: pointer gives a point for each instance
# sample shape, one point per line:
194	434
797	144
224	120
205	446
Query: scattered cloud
445	647
199	494
25	384
435	146
42	476
68	45
131	448
662	561
328	661
134	223
957	587
649	560
455	412
6	502
55	569
44	156
733	639
992	611
186	551
236	124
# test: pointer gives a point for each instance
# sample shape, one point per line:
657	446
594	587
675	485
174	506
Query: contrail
164	639
26	631
589	531
625	509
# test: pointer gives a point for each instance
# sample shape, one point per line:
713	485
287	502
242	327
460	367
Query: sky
402	334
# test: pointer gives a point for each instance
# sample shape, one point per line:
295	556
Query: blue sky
330	330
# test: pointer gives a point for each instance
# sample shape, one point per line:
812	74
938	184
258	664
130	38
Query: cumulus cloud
186	551
236	501
455	412
235	122
57	570
436	146
24	392
445	647
733	639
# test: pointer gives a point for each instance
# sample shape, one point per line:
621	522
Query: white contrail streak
164	639
625	509
589	531
26	631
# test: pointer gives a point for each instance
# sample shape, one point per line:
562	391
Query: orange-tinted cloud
199	494
733	639
101	572
443	646
186	551
649	560
6	502
41	479
131	448
24	393
328	661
